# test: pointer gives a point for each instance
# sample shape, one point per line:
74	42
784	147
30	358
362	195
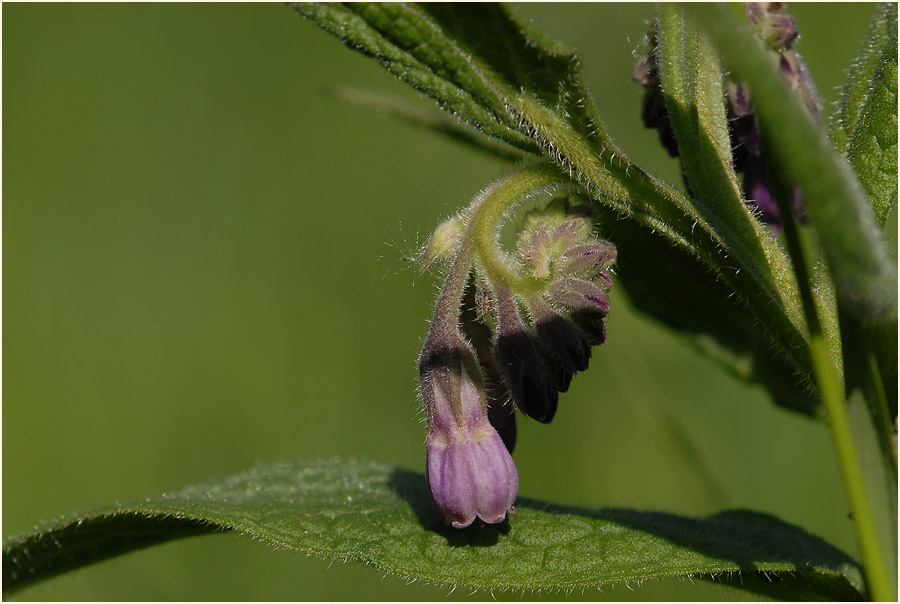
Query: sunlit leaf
865	126
383	516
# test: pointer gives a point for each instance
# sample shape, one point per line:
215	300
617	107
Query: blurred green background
203	269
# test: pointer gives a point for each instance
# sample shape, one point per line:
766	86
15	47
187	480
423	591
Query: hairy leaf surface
865	276
383	516
864	128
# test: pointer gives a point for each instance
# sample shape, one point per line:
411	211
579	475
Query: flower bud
536	252
589	260
520	364
523	371
593	325
794	70
469	470
565	343
500	410
580	296
739	100
444	242
472	477
776	29
570	233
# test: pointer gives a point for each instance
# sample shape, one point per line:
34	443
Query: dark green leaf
384	517
691	81
864	128
859	262
408	42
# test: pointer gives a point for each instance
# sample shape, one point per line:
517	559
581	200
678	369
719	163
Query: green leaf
864	129
383	516
860	264
399	36
691	81
522	84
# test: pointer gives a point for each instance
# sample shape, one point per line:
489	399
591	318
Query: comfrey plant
537	315
773	257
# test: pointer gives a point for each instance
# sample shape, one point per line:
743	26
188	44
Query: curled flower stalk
536	314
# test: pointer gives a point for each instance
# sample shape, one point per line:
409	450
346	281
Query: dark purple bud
593	325
502	415
520	364
565	342
567	351
588	302
759	193
747	131
523	372
655	115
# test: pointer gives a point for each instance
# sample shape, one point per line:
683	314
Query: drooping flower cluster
509	342
777	32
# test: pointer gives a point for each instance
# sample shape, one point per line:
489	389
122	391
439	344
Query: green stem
874	563
488	210
480	237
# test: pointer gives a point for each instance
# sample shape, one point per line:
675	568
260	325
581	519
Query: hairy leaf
383	516
510	81
864	274
864	129
691	81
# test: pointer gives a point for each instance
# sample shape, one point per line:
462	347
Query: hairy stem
488	210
